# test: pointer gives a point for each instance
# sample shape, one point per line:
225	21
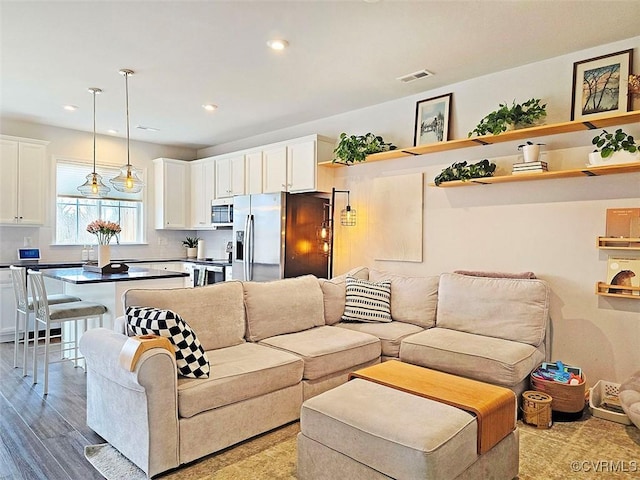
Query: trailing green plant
608	143
464	172
191	242
355	148
520	116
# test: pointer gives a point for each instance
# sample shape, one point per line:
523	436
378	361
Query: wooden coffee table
494	407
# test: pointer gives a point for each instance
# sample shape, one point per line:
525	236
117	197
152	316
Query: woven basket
566	398
536	409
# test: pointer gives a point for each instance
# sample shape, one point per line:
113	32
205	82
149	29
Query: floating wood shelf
592	171
616	243
513	135
604	288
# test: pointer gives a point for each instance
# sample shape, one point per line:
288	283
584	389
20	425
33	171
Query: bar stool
65	312
24	307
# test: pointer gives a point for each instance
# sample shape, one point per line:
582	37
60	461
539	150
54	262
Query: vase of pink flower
104	231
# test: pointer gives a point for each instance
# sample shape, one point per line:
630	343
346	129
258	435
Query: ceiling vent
415	76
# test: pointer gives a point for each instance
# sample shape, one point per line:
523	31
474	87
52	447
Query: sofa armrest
136	412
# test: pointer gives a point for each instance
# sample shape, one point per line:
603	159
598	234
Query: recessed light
210	107
112	131
70	108
278	44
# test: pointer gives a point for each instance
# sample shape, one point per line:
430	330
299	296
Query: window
74	212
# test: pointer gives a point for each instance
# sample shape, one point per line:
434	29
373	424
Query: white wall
548	227
110	151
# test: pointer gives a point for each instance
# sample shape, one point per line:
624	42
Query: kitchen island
107	289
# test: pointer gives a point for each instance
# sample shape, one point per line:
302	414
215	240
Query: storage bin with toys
566	385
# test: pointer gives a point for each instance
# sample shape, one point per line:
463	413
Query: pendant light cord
94	130
126	91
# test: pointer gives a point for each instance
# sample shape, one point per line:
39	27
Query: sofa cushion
282	306
191	359
488	359
413	299
216	312
390	334
238	373
513	309
367	301
334	293
328	349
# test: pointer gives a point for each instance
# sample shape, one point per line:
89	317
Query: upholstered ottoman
363	430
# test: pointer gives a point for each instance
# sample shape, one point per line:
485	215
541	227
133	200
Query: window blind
70	175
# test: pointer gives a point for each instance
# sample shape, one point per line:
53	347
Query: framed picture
600	86
432	120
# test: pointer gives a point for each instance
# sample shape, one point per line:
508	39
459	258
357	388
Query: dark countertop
79	276
43	264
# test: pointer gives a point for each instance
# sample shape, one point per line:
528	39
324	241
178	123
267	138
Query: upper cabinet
202	192
23	173
253	166
172	199
293	166
230	175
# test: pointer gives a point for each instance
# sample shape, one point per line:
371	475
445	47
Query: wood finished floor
43	437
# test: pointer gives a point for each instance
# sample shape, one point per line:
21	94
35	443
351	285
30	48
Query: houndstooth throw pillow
191	358
367	301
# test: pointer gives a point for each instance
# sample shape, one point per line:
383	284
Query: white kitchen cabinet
293	166
253	172
23	173
275	169
202	192
229	176
172	198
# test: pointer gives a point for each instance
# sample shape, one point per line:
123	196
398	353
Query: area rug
570	450
111	464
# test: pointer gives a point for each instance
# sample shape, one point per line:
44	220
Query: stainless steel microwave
222	212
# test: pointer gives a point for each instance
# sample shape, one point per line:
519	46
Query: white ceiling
343	55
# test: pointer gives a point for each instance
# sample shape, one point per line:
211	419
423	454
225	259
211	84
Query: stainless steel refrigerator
274	236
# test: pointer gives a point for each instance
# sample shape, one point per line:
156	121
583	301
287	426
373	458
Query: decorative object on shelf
617	147
192	246
597	89
623	223
104	231
128	180
462	171
518	116
623	272
355	148
634	91
93	187
530	151
433	116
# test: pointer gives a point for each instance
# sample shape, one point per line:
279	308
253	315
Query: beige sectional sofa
273	345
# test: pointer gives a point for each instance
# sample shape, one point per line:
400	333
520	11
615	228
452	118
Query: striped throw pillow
367	301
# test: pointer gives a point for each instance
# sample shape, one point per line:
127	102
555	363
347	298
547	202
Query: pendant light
128	180
93	187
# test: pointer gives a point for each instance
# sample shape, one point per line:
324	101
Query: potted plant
355	148
517	116
192	246
617	147
530	151
464	172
